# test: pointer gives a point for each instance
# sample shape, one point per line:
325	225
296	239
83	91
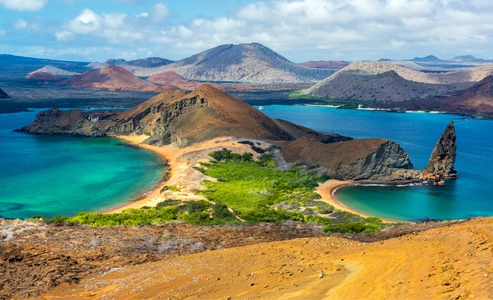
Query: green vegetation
256	191
170	188
192	212
483	116
259	192
344	103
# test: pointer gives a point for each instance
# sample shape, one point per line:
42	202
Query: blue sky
301	30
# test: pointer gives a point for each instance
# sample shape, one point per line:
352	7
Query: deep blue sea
470	196
54	175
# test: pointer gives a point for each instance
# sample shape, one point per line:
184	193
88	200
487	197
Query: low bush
170	188
193	212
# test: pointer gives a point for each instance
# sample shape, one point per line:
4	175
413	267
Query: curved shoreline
170	154
149	195
328	189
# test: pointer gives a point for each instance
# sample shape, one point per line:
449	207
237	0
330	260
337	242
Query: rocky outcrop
3	95
172	117
442	159
377	160
71	122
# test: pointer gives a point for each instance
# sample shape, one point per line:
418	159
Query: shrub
352	228
168	202
170	188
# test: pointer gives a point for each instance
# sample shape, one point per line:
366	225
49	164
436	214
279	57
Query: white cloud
64	36
87	22
159	12
304	29
20	24
29	5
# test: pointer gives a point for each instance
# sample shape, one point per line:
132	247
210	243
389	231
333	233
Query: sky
300	30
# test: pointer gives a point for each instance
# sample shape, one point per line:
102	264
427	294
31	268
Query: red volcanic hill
113	78
169	77
322	64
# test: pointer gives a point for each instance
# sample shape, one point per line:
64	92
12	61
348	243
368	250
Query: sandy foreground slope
453	262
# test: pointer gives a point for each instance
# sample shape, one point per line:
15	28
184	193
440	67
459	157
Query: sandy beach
182	174
327	189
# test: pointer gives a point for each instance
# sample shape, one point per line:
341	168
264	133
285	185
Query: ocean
56	175
469	196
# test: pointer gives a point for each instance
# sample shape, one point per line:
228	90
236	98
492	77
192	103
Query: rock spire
442	159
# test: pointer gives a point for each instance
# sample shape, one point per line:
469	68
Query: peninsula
179	118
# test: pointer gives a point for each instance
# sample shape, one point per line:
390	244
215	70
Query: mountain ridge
389	82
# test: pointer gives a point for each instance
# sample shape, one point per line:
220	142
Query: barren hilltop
452	262
392	84
249	63
107	78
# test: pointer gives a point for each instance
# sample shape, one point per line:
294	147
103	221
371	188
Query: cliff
378	160
172	117
442	159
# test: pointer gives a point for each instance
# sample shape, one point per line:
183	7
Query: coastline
327	191
148	196
180	173
175	170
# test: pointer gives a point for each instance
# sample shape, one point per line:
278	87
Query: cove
56	175
417	133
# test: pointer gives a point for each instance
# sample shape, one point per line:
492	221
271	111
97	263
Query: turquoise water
417	133
53	175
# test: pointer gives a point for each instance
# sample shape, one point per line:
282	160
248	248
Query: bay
57	175
417	133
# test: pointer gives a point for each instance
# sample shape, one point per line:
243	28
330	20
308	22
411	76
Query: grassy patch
252	188
344	103
170	188
259	192
192	212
